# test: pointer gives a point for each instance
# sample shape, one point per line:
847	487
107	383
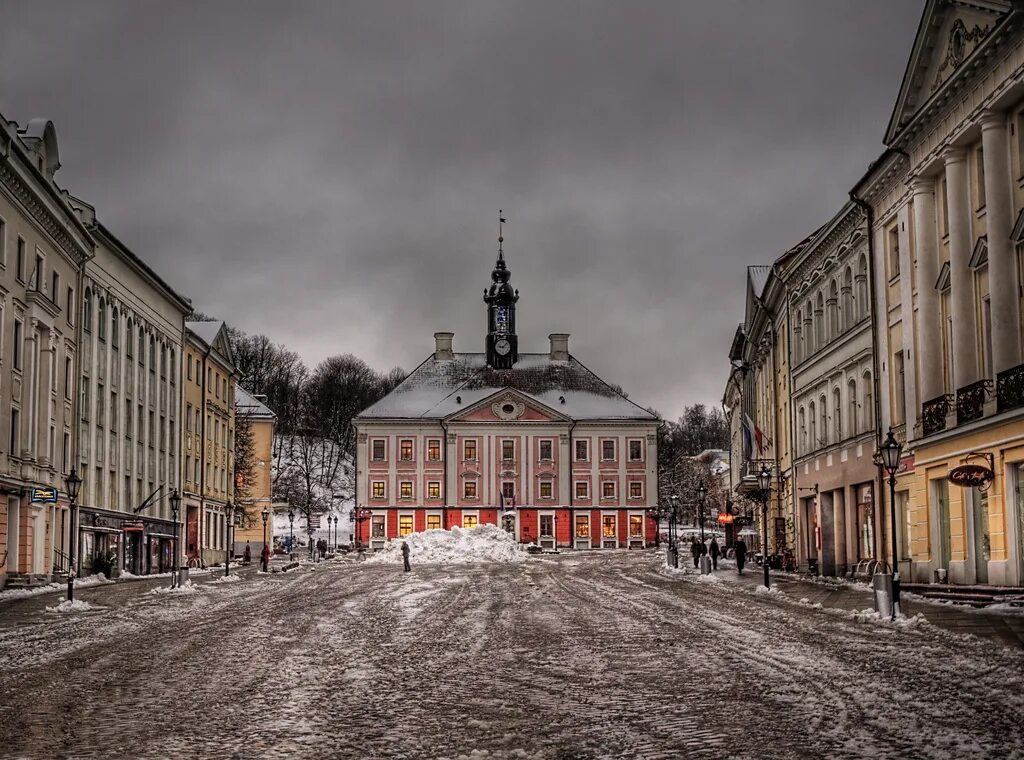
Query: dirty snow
457	546
76	606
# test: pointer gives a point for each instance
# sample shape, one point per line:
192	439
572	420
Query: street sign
314	522
44	496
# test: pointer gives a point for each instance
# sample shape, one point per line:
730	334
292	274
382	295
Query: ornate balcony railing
1010	388
970	401
900	433
933	414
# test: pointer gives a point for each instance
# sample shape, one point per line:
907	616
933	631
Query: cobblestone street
579	655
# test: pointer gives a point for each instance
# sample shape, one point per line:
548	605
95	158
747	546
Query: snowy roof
205	331
249	405
438	389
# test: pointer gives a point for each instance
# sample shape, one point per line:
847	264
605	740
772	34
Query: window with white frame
433	522
404	525
508	450
545	451
607	449
405	450
434	489
636	450
469	450
636	489
405	489
546	489
608	489
379	491
582	450
378	451
469	489
582	489
434	450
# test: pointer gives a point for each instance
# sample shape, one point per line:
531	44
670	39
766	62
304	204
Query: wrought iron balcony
900	432
933	414
970	401
1010	388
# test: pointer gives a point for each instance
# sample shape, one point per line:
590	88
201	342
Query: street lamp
291	535
764	482
263	554
702	492
175	500
335	532
73	483
229	508
890	453
673	538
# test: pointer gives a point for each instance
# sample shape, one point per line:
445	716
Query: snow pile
50	588
773	590
457	546
184	588
227	579
76	606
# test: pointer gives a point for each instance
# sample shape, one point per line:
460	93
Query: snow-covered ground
596	654
457	546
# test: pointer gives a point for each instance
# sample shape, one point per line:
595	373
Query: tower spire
501	236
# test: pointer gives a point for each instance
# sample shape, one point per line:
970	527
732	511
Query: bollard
881	588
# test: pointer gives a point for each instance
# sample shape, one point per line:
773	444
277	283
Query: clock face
502	346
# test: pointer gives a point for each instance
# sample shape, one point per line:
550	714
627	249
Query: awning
99	529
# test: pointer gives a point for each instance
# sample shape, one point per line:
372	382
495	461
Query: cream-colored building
129	447
255	496
209	430
43	246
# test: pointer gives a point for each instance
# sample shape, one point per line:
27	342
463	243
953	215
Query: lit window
636	490
433	522
607	450
434	490
469	521
545	489
582	489
434	450
469	489
469	451
608	489
608	526
508	450
406	489
378	450
636	526
545	451
582	526
404	525
581	451
378	489
405	448
636	451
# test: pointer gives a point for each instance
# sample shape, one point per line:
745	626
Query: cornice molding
850	234
42	215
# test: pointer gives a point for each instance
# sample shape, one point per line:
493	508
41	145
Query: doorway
941	491
981	546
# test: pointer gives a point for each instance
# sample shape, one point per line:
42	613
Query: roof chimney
559	347
443	346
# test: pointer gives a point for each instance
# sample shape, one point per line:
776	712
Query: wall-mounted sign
44	496
726	519
971	476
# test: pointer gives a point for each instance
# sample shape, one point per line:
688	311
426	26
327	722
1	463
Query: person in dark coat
405	556
715	551
247	557
265	555
695	551
741	554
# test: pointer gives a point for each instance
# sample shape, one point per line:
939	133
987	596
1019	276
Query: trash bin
881	590
705	564
672	557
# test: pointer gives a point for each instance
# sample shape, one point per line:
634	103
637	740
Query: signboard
726	519
971	476
44	496
132	527
314	522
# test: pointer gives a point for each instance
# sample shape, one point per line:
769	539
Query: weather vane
501	221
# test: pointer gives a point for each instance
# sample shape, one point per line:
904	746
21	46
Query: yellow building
947	246
253	496
209	430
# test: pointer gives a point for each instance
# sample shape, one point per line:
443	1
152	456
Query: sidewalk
1004	626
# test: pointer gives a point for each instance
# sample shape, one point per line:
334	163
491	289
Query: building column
965	344
839	523
1002	270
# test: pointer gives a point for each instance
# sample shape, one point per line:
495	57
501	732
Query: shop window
404	525
469	521
636	526
377	526
547	525
582	526
608	526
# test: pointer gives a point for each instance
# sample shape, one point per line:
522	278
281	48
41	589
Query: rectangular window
469	450
547	525
979	177
608	489
377	526
37	274
943	208
3	243
636	490
378	450
434	490
55	287
405	489
545	451
67	377
893	243
899	413
405	448
17	344
582	489
378	489
433	522
508	450
636	526
65	453
582	526
19	270
434	450
607	450
636	451
128	417
545	489
508	492
14	439
404	525
114	408
608	526
69	310
469	489
581	451
469	521
189	365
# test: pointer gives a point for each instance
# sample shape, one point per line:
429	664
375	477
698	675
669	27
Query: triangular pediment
1017	234
949	34
507	405
943	282
979	256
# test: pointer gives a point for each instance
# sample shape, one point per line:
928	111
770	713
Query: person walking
247	557
405	556
715	552
741	554
695	551
265	554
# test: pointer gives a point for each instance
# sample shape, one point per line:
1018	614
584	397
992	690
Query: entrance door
13	529
982	542
1018	508
941	487
547	530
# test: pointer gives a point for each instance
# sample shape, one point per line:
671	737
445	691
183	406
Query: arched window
837	414
802	417
87	311
868	403
114	331
142	346
833	311
170	362
849	307
819	321
152	353
809	329
812	427
128	338
851	399
798	337
103	319
823	427
862	287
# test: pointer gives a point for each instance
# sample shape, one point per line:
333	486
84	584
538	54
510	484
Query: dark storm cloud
330	173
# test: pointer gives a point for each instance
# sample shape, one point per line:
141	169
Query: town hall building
534	442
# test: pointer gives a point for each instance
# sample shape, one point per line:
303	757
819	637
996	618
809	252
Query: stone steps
975	596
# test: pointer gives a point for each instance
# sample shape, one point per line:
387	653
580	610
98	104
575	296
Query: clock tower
502	345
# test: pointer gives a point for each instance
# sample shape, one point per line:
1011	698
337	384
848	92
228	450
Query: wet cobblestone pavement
575	656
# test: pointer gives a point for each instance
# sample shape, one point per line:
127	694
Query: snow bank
76	606
184	588
457	546
227	579
50	588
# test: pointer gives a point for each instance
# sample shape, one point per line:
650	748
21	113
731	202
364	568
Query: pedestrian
265	554
247	557
405	556
715	551
695	551
741	554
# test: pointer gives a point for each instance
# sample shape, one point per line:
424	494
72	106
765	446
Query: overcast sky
329	173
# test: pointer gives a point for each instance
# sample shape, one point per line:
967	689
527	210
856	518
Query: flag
753	437
501	500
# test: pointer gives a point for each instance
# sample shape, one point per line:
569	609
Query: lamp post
73	483
890	453
263	554
229	508
291	535
175	500
702	492
673	528
764	482
335	533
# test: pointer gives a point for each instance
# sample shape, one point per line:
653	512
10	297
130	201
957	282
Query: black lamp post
764	482
230	510
673	530
291	535
175	500
702	492
73	483
890	453
335	532
263	554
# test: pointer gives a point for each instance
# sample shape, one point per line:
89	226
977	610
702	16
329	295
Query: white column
929	326
1002	275
965	343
